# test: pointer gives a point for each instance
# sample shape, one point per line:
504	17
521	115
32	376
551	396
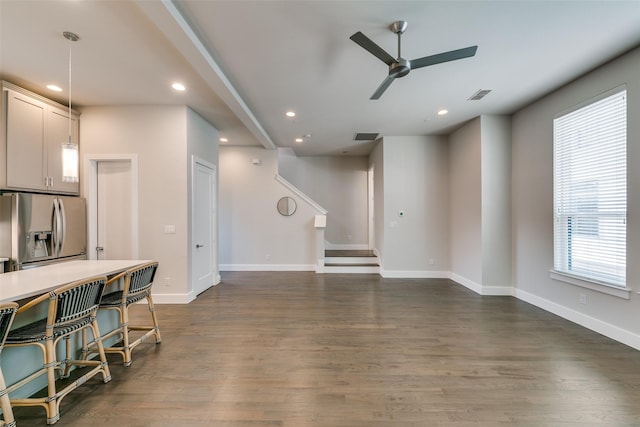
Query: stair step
349	253
351	260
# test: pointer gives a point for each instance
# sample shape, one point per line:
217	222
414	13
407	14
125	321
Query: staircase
351	261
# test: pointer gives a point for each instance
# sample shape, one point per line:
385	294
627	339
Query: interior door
114	218
204	231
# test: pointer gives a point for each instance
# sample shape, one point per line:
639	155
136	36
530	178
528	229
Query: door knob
199	246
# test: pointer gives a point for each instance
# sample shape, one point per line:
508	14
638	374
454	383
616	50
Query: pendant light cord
72	37
69	91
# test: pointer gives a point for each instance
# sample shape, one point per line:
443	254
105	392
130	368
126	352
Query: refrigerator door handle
57	228
62	218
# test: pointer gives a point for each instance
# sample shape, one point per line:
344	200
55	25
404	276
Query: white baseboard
267	267
479	289
173	298
611	331
413	274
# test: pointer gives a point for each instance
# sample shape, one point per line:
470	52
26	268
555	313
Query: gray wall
532	205
253	235
465	203
338	184
416	182
162	137
496	204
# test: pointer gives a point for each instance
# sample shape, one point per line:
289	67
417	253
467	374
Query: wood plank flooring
299	349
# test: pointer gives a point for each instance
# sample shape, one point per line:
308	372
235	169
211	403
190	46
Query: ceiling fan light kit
400	67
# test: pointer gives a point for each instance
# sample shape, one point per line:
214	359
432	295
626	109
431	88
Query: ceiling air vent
365	136
479	94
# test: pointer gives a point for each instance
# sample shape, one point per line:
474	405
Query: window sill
624	293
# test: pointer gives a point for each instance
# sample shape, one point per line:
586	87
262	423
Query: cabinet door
25	142
57	135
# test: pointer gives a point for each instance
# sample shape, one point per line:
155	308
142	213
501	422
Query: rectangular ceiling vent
365	136
479	94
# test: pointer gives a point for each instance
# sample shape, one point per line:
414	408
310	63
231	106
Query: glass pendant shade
69	162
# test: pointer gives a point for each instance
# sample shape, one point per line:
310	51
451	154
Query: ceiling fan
400	67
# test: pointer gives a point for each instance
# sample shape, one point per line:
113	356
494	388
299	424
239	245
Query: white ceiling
246	63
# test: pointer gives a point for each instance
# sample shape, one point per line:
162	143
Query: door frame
90	191
214	229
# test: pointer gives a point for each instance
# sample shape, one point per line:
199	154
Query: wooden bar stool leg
106	374
50	364
126	349
5	404
152	309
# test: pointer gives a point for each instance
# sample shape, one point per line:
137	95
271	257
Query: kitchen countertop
33	282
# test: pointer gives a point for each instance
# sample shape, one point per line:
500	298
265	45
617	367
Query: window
590	190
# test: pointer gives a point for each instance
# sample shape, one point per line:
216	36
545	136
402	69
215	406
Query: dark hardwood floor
300	349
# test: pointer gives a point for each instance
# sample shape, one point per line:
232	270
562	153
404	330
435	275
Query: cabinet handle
50	181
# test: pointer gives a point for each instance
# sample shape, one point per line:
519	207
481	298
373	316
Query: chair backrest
75	300
7	313
139	279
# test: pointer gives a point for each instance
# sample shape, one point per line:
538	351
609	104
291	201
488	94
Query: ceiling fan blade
373	48
444	57
383	86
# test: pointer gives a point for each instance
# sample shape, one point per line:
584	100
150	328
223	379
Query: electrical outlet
431	261
167	281
267	257
583	299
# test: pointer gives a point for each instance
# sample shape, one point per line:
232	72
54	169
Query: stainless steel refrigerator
39	229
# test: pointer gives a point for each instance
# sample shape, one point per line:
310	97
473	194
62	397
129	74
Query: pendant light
70	171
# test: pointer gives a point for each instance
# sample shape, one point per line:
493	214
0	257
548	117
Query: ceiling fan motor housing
400	68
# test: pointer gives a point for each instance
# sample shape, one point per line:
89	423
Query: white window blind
590	191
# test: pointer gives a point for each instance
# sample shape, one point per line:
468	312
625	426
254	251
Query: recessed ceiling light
54	88
442	112
224	140
178	86
290	114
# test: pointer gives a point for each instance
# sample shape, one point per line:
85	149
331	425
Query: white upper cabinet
33	133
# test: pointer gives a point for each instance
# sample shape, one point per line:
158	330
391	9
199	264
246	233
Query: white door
204	231
114	238
371	207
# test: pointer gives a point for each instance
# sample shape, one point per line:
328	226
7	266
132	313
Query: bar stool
71	309
136	287
7	313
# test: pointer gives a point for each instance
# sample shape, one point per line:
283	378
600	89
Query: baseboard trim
413	274
479	289
608	330
267	267
173	298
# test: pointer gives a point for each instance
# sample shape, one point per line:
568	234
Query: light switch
169	229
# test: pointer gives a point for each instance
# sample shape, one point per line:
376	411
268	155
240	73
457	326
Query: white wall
338	184
253	235
157	135
532	205
416	182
